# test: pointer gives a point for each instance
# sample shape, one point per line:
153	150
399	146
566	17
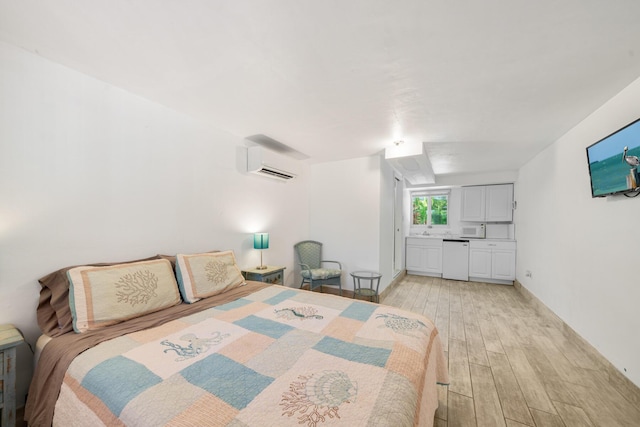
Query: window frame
429	195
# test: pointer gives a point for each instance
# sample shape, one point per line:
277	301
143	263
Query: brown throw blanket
60	351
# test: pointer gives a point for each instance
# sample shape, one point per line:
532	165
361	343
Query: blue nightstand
271	274
10	338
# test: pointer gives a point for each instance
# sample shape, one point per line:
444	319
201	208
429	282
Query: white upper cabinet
491	203
499	203
473	203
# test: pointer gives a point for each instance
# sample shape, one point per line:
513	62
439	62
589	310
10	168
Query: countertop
455	236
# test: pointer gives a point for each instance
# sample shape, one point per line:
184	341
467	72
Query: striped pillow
103	296
207	274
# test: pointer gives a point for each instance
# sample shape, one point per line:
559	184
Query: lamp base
261	266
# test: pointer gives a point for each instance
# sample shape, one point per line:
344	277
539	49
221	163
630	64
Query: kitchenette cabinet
473	203
487	203
492	261
424	256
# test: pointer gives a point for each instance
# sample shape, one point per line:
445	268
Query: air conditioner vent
275	173
267	163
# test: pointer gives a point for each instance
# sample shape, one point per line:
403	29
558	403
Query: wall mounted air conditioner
261	161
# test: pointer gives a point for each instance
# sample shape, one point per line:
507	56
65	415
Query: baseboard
335	291
614	375
349	293
540	306
393	284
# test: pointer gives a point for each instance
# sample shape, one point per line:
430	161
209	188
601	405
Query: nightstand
271	274
10	338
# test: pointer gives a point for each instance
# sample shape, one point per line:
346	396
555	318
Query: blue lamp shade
261	241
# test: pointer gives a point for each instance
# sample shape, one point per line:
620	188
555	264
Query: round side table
373	279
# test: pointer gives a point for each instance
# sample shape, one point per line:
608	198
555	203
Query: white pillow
204	275
103	296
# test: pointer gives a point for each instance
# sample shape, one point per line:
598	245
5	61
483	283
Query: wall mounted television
610	173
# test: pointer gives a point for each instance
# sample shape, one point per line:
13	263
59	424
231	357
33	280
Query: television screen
613	170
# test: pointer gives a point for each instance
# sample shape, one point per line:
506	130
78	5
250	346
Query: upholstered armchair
313	269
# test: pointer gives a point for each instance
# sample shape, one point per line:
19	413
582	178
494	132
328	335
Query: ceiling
486	85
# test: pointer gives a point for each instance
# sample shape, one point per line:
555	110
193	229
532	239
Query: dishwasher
455	259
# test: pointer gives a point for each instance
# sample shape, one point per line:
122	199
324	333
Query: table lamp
261	241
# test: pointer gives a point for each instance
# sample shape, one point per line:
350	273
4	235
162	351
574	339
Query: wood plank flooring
512	362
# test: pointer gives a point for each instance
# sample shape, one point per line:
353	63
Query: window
429	209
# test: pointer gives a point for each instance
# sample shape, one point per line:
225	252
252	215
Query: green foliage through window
430	210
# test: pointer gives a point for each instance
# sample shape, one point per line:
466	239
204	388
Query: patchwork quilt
276	357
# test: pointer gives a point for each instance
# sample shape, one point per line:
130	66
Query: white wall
583	252
89	173
348	215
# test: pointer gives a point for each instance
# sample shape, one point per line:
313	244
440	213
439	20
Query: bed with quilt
186	341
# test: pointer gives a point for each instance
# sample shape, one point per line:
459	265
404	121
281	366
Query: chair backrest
309	252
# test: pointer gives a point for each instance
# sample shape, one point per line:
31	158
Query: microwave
477	230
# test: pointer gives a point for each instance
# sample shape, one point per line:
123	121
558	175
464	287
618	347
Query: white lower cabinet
479	262
503	264
424	256
492	261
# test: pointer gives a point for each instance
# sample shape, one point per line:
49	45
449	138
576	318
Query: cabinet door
416	258
473	204
480	263
499	203
433	263
503	264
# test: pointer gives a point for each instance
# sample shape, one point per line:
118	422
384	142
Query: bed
245	354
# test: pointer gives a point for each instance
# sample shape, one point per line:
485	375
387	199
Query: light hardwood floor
512	362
